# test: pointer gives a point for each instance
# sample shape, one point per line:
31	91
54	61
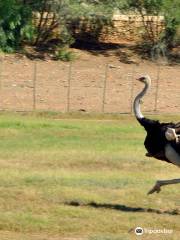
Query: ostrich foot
156	188
160	183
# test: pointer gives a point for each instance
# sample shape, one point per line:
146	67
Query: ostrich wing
155	140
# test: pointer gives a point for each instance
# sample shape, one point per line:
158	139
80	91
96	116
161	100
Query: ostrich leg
174	158
160	183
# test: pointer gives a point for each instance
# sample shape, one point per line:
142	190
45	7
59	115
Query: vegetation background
17	26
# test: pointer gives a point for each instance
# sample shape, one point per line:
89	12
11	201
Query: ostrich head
145	79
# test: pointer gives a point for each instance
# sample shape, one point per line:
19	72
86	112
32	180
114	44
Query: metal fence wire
85	87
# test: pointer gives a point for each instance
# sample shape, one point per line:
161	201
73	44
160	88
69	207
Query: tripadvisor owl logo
139	231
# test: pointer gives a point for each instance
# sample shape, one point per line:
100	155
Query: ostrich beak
140	79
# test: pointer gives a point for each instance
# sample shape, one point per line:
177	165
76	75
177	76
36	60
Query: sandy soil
87	84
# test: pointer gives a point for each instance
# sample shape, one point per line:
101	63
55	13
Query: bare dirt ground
88	84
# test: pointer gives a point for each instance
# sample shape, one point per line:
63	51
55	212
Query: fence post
69	87
157	88
34	86
104	87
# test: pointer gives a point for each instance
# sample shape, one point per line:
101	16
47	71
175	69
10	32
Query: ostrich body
162	139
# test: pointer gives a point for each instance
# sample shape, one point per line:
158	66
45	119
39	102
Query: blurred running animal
162	140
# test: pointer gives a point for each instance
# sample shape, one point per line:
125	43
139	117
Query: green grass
81	178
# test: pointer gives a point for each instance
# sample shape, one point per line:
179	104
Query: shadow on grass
122	208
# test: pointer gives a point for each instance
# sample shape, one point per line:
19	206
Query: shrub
14	18
64	54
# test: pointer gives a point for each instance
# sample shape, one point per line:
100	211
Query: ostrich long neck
136	105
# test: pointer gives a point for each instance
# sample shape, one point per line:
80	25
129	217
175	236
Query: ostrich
162	140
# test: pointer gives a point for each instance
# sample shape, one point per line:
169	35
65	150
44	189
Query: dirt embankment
96	81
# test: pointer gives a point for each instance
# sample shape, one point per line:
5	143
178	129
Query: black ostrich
162	140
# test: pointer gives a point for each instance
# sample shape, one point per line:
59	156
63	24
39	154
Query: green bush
170	9
64	54
14	17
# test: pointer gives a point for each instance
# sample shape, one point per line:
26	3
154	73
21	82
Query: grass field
84	178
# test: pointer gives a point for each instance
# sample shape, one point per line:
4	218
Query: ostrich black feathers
155	140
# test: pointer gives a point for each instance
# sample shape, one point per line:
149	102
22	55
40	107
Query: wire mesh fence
69	87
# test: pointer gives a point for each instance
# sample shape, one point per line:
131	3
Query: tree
170	9
68	15
19	21
13	24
